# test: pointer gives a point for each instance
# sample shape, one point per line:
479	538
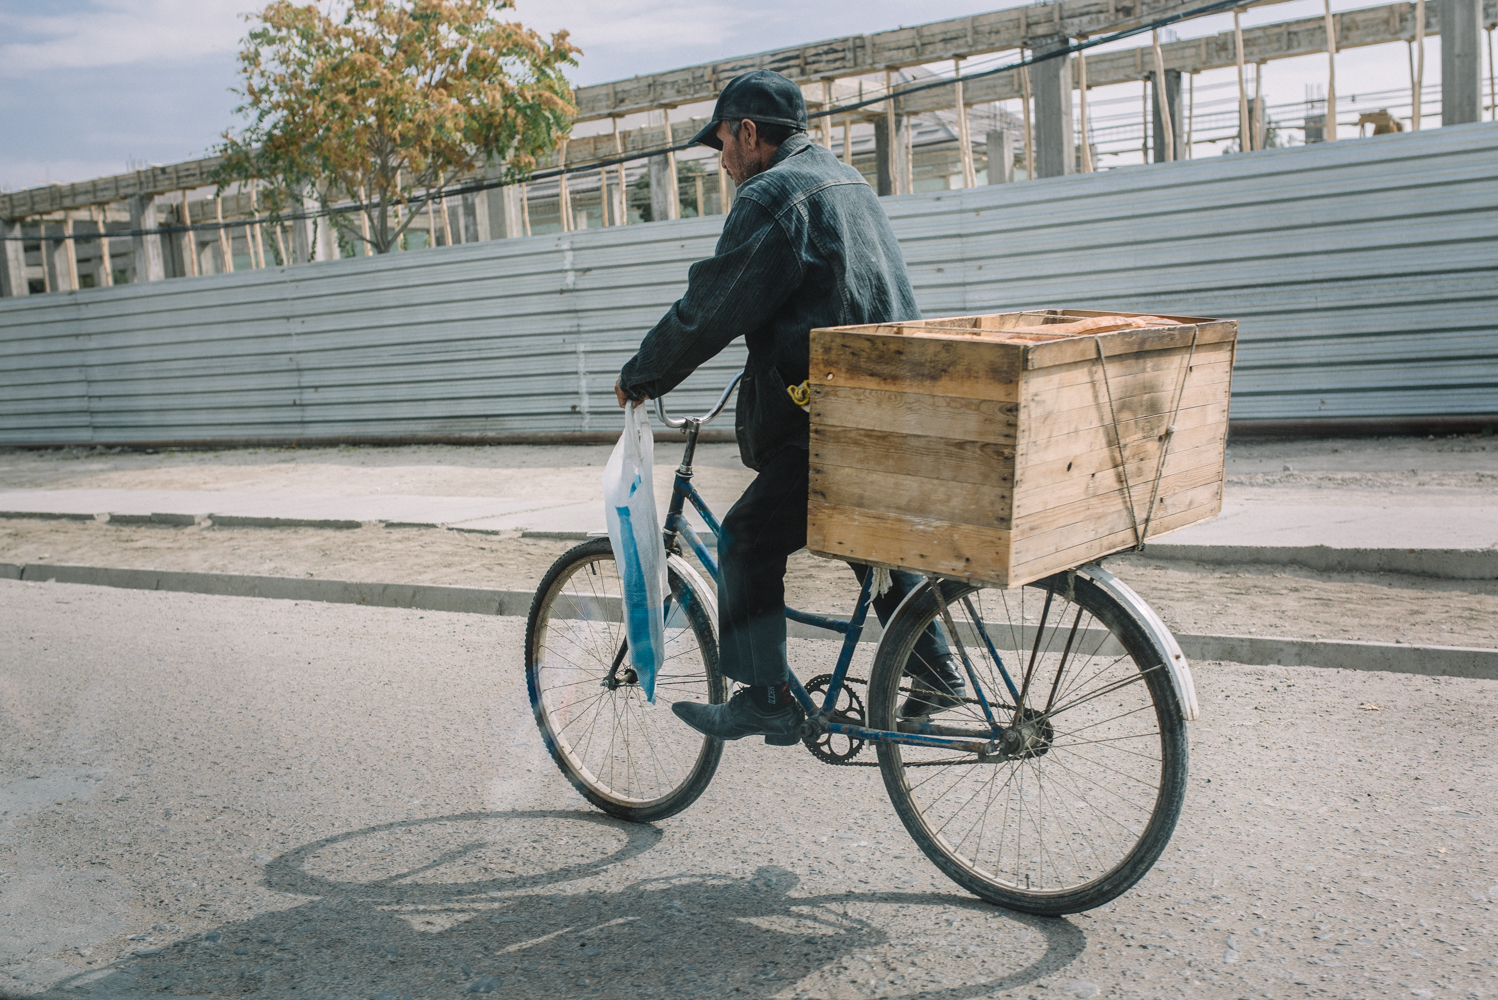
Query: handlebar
707	417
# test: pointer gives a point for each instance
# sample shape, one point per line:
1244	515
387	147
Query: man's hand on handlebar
622	398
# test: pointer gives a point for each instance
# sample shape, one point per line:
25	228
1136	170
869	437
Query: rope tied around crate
1140	534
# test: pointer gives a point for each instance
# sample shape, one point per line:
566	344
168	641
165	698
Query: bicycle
1050	788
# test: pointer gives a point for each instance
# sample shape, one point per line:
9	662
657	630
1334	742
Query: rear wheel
629	757
1089	780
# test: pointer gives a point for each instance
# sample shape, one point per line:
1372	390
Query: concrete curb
424	597
1446	564
1441	661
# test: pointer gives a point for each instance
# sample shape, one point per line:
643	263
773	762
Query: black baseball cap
761	95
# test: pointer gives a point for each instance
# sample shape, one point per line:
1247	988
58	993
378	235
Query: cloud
116	32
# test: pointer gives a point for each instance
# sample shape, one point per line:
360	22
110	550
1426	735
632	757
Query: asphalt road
211	796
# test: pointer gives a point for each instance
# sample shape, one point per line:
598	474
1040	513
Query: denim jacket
805	245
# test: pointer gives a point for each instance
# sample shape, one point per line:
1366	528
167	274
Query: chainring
849	711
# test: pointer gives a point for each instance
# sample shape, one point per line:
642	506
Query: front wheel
629	757
1087	787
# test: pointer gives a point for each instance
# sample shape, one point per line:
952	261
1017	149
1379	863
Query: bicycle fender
1175	660
694	579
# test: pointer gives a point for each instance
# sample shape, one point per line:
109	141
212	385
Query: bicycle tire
1078	856
572	635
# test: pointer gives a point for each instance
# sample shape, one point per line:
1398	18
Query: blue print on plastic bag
635	534
637	611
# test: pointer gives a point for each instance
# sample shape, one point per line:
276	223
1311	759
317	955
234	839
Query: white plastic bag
639	550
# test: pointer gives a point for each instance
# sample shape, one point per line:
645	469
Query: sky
95	87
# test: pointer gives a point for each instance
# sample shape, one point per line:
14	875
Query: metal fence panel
1364	274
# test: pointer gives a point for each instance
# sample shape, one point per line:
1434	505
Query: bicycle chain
837	760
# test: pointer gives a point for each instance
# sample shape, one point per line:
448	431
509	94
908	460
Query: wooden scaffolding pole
892	150
1086	138
257	239
225	241
1331	74
364	219
1258	115
673	203
1417	69
1144	119
189	243
827	119
106	268
621	206
964	137
1243	138
1162	100
1025	96
1190	113
603	196
848	131
564	196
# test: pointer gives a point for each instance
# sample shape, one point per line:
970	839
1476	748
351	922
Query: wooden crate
985	447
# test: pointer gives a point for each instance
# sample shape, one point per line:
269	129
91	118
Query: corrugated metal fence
1365	274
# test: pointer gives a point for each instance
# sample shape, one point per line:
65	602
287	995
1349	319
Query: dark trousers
763	528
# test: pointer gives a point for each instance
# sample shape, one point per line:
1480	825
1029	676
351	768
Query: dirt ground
1244	600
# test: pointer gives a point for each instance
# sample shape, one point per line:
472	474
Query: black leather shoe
935	687
741	717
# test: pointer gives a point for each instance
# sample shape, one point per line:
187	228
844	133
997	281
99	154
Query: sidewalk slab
270	509
1343	523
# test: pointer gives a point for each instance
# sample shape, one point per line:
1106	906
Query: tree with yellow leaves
381	101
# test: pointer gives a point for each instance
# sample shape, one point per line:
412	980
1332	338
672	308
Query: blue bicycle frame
678	529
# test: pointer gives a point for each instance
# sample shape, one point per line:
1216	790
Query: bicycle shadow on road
473	904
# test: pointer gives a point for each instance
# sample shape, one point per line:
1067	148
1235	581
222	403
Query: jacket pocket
766	417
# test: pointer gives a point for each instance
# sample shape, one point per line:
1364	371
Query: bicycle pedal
784	740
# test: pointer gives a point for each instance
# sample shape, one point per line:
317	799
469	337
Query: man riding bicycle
805	245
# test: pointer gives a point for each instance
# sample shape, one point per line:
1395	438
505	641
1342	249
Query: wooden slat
878	452
925	544
1103	512
1097	473
1100	438
1210	363
914	413
1126	342
1034	567
912	496
939	367
1109	526
1080	414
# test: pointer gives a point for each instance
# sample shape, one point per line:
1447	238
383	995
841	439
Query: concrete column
477	226
882	152
326	247
301	241
55	253
662	189
13	268
1055	144
1461	61
145	251
508	212
1177	122
1000	157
